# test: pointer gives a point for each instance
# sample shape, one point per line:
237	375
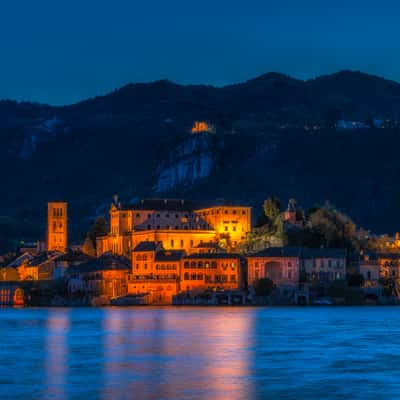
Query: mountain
274	135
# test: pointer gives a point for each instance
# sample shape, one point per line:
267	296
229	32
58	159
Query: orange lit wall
57	226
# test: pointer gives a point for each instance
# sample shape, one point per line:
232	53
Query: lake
200	353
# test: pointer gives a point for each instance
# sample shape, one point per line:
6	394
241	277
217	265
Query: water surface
200	353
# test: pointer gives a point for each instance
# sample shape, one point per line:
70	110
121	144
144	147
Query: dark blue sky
60	51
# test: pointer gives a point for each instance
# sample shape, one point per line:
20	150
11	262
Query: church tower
57	226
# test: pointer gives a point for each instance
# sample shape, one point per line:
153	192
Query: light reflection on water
200	353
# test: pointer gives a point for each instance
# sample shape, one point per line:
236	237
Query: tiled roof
210	256
179	205
146	246
301	252
102	264
161	204
278	252
169	255
209	245
323	253
74	256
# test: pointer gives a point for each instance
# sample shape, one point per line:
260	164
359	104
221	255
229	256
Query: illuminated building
161	274
176	224
201	126
57	226
155	272
201	272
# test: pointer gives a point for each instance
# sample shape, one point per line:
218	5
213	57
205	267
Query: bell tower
57	226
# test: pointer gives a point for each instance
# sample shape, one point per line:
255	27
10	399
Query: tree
99	228
355	279
272	208
264	287
334	228
88	247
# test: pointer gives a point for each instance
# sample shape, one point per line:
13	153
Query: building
293	216
11	294
389	265
287	266
213	271
161	274
323	265
370	268
280	264
104	276
155	272
177	224
57	226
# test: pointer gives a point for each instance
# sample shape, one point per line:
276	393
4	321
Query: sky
63	51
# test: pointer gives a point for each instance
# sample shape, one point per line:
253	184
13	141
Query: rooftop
279	252
104	263
169	255
210	256
146	246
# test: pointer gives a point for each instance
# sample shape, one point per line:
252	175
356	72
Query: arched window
193	264
200	264
186	264
213	264
186	276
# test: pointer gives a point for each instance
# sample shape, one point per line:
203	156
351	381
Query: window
200	264
234	228
186	276
193	264
233	278
225	228
181	244
158	215
186	264
234	212
158	226
137	215
172	243
166	215
243	212
176	216
191	243
289	274
213	264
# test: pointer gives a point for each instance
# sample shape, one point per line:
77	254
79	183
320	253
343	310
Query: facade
161	274
280	264
11	294
287	266
389	265
57	226
177	224
323	265
211	271
369	268
104	276
155	272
